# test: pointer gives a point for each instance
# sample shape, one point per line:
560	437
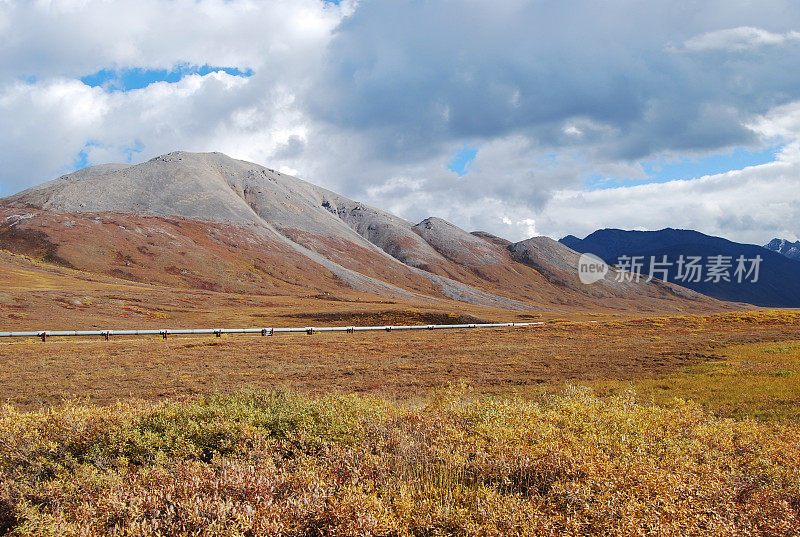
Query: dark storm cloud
418	75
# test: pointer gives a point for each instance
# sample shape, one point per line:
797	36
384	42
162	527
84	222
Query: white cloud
740	38
51	116
65	117
71	38
751	205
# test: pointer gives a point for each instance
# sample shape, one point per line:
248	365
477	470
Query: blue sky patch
82	159
137	78
462	160
662	171
137	147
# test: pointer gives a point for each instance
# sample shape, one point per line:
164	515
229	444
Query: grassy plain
398	366
759	380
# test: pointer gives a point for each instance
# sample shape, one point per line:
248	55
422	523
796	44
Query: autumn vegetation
278	463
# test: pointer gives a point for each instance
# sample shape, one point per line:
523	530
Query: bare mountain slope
456	244
557	263
302	235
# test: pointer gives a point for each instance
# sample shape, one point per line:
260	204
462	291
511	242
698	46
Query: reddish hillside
207	221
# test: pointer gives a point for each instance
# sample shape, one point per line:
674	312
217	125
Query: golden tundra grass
758	380
392	365
277	463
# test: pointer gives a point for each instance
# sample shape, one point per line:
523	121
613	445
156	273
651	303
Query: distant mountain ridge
778	281
784	247
207	220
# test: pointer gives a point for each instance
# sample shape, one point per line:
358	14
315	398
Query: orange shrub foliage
282	464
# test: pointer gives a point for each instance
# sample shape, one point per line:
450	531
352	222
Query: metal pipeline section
165	332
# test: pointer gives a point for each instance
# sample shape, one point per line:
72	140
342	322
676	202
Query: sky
519	118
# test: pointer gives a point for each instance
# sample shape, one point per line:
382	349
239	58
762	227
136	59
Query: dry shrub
282	464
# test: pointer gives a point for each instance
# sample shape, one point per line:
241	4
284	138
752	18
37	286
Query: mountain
784	247
777	282
205	220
